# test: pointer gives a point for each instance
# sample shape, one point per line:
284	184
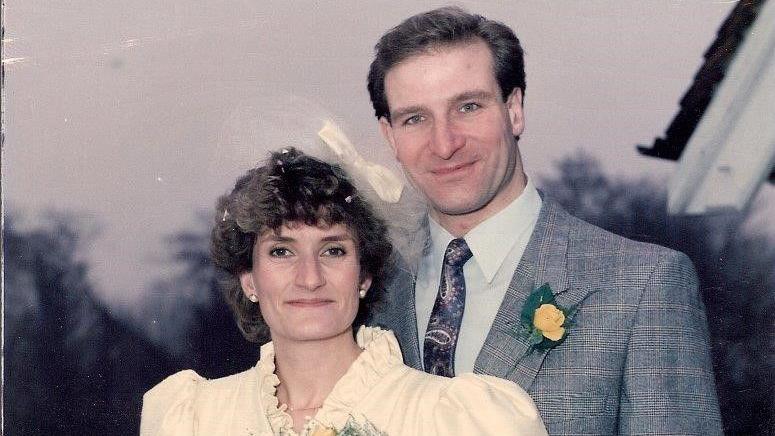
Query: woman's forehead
299	230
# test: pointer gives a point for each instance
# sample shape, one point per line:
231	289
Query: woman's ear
248	285
366	283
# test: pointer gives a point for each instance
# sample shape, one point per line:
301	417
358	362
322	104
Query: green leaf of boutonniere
539	296
545	323
536	337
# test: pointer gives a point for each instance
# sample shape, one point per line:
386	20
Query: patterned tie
447	313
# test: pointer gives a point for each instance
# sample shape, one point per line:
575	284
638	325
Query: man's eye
414	119
280	252
469	107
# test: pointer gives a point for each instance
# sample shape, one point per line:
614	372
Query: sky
135	116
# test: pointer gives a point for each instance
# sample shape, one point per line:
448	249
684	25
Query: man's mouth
451	170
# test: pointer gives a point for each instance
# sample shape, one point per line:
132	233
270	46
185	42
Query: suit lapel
405	318
508	355
399	313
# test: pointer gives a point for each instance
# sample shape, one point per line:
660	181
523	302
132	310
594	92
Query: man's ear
248	285
387	132
516	111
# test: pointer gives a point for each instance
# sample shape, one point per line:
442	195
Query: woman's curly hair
291	188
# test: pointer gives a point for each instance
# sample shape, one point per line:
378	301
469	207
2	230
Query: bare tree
196	324
71	368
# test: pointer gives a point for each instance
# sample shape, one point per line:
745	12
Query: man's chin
455	207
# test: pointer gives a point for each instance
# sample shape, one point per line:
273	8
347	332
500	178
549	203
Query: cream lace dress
378	388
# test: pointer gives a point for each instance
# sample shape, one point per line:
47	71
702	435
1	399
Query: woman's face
307	280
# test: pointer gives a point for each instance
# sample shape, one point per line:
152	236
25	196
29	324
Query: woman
304	256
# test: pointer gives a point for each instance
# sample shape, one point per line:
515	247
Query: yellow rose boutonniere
543	321
549	320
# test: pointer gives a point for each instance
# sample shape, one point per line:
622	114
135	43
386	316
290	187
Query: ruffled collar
381	353
268	382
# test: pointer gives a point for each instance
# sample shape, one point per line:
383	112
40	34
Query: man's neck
459	225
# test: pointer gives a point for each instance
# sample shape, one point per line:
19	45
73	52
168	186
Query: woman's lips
309	302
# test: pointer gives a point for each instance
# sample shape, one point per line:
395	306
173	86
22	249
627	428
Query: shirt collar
492	240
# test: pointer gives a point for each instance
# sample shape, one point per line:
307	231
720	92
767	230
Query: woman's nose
309	274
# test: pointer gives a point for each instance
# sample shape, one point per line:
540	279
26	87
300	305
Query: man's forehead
439	49
420	70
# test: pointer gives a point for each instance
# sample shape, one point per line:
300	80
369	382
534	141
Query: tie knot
457	253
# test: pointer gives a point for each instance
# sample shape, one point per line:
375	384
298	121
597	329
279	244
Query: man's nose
309	273
445	139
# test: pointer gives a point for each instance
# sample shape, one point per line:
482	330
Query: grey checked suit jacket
636	360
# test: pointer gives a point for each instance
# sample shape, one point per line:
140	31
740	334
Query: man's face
452	131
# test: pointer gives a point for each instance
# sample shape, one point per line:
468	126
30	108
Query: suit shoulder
591	238
599	259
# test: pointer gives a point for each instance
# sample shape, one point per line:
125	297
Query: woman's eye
469	107
279	252
334	252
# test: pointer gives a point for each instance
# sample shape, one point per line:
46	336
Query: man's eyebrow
400	112
477	94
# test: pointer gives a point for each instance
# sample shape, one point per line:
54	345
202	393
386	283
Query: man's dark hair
292	189
439	28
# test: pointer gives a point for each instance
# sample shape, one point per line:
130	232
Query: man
447	88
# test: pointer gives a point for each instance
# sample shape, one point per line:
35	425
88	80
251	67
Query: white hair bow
384	182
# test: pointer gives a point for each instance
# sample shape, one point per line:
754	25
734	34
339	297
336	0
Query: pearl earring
362	293
253	298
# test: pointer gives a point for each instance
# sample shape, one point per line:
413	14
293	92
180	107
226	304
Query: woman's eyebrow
276	238
337	237
330	238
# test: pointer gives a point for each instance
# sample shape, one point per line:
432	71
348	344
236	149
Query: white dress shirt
497	245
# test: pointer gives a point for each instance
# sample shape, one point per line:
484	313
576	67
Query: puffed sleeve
486	405
168	408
